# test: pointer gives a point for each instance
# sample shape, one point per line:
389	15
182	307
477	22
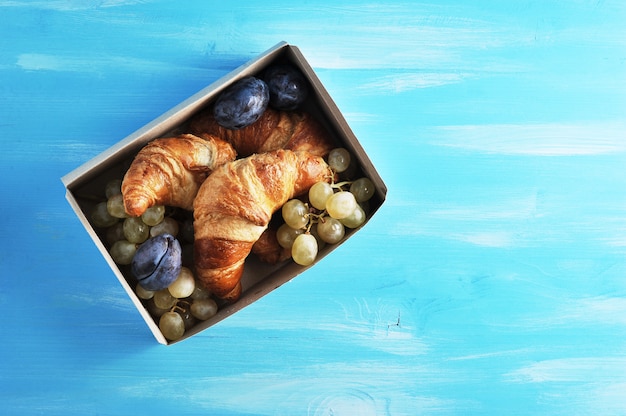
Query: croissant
234	206
272	131
169	171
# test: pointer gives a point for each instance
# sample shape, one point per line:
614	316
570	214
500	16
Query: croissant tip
134	207
232	296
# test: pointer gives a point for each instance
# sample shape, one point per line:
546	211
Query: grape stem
180	308
313	219
339	185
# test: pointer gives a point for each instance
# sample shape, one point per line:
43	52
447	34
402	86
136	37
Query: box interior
85	184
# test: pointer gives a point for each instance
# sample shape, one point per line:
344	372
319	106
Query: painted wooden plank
492	281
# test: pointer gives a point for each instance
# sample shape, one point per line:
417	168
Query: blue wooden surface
492	281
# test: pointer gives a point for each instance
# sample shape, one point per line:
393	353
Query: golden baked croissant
169	171
272	131
235	205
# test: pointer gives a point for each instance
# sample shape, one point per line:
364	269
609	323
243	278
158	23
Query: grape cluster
329	208
184	302
179	306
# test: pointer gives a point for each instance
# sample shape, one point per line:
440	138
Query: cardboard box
259	279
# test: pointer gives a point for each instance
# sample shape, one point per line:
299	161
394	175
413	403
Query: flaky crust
272	131
169	171
234	206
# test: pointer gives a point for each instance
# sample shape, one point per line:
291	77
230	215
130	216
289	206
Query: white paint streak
397	83
516	352
549	139
47	62
423	48
379	327
37	61
74	150
493	223
70	150
571	370
107	297
69	5
486	238
423	36
586	385
618	240
330	389
590	311
519	208
363	118
609	398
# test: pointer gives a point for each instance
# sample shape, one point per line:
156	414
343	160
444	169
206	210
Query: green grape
143	293
286	235
350	173
113	187
356	219
339	159
154	310
101	218
295	213
341	204
366	206
319	194
115	206
188	319
115	233
184	284
330	230
320	243
363	189
122	252
203	308
167	226
163	299
199	292
304	249
172	325
135	230
153	215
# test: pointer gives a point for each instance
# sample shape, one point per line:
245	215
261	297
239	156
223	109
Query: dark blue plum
288	86
242	103
157	262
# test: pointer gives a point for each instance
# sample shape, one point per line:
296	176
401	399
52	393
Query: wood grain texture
492	281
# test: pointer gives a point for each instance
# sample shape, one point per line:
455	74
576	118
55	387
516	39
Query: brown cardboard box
259	279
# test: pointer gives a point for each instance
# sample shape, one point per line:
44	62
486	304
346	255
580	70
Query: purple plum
242	103
157	262
288	86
